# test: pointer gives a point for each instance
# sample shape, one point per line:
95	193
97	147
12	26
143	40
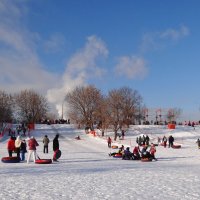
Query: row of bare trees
26	106
118	109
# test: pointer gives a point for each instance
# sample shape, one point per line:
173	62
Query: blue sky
151	46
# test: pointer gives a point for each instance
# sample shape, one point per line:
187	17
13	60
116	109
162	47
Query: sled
146	159
177	146
114	147
57	154
117	155
10	159
43	161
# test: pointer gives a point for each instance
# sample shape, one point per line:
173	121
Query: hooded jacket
11	144
32	143
18	142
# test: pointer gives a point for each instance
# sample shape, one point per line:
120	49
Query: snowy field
85	171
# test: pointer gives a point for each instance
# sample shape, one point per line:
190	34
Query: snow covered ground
85	171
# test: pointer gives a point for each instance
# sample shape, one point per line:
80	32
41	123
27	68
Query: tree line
87	106
26	106
117	110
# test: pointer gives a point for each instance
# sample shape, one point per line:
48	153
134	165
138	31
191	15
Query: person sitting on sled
127	155
136	153
145	153
152	151
121	150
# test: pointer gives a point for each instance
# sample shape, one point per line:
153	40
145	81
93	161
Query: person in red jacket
153	151
32	144
136	153
11	146
109	142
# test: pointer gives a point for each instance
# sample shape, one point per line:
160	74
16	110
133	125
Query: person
171	141
121	148
77	138
136	153
147	140
55	147
152	152
18	142
127	155
159	140
23	150
46	144
198	143
32	144
144	153
121	151
123	134
11	146
164	140
109	142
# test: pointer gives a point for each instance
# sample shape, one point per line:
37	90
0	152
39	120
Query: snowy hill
85	171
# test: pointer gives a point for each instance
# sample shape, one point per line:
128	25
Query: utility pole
62	109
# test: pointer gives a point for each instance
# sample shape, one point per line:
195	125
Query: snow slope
85	171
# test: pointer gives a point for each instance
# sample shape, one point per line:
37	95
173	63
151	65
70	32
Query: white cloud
175	34
79	69
20	65
131	67
156	40
84	61
55	43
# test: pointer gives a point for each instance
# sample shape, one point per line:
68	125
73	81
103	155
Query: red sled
43	161
57	154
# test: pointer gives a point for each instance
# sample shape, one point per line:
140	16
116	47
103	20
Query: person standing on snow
11	146
123	134
55	146
109	142
171	141
32	144
46	143
198	143
18	142
164	140
23	150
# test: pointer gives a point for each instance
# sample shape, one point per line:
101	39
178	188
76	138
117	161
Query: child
136	153
153	151
198	143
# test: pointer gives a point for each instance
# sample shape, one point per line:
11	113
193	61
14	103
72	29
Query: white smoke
79	69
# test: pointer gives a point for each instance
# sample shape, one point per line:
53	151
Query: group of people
19	146
20	130
170	140
137	154
143	140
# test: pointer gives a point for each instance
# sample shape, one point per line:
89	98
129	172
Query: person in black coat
23	150
55	146
171	141
56	143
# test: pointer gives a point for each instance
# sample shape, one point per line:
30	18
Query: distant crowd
56	121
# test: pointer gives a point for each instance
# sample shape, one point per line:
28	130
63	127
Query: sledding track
85	164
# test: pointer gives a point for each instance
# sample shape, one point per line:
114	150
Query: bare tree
123	106
6	112
83	103
30	106
102	115
173	114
